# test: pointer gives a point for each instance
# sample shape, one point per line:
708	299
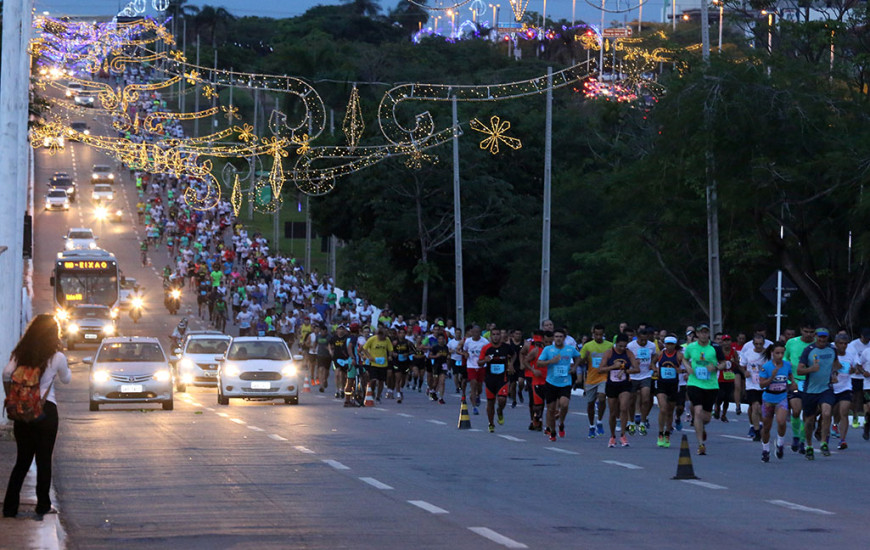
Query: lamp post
495	15
721	4
769	15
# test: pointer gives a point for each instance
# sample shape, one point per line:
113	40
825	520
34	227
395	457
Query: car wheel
292	400
169	405
223	400
93	406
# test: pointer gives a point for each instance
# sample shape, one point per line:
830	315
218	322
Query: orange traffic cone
684	464
464	419
306	387
370	400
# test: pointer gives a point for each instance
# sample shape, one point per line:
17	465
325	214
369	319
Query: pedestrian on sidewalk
40	347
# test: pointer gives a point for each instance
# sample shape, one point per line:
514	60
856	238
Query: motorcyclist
178	334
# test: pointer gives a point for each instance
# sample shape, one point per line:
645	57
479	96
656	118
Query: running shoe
475	411
399	398
322	389
591	433
646	424
725	419
623	440
491	428
513	404
739	410
661	441
612	443
795	444
780	450
855	423
441	401
702	449
825	450
500	419
809	453
642	429
434	396
547	430
843	446
765	456
751	434
803	448
835	431
667	444
599	429
531	426
552	437
631	428
561	430
678	426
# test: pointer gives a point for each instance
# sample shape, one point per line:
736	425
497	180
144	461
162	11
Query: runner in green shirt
793	350
702	361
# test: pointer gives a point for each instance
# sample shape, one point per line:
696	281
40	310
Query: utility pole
457	225
196	95
307	233
276	222
705	31
548	192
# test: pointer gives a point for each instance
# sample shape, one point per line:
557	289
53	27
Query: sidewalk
26	531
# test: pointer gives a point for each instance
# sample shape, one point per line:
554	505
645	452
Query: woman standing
38	347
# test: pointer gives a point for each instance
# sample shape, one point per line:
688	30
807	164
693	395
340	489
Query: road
316	475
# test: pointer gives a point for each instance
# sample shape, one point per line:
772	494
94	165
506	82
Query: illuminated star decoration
496	134
303	144
231	112
178	55
519	8
246	132
236	196
192	77
416	159
208	91
353	125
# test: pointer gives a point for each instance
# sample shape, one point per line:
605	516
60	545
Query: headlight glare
162	375
101	376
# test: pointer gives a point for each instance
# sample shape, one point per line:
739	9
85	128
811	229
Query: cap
841	338
702	327
726	337
440	323
354	326
670	339
821	331
537	338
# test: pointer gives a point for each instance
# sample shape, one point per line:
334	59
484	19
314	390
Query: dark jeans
33	439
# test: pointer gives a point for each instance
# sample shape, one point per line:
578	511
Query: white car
102	174
102	192
57	199
73	88
258	368
80	238
83	100
196	364
125	298
131	369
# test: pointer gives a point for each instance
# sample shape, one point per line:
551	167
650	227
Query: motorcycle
172	300
136	306
177	335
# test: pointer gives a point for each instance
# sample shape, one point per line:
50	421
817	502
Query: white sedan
259	368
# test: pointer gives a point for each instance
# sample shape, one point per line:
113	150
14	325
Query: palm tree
211	18
364	7
178	10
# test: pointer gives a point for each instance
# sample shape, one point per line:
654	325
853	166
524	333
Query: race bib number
617	376
496	368
596	362
343	362
845	366
728	375
778	385
403	357
643	355
380	360
701	373
560	370
668	373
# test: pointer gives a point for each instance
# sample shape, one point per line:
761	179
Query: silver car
130	370
259	368
196	365
88	324
103	192
57	199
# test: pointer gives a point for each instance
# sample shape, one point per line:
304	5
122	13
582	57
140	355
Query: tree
364	7
211	18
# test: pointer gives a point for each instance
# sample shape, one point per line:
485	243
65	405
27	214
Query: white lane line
497	538
511	438
705	484
256	429
437	422
380	409
475	430
625	465
335	464
580	414
431	508
238	421
800	508
277	437
195	404
738	438
225	415
406	415
565	451
209	409
305	450
375	483
321	396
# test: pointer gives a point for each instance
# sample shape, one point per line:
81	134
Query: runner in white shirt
641	383
471	351
751	360
456	358
842	386
857	347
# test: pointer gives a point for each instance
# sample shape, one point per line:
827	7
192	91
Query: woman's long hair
40	342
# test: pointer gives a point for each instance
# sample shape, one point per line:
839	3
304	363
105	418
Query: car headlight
162	375
69	245
108	330
101	376
61	315
92	244
111	176
119	213
187	378
94	176
48	204
87	132
72	328
114	313
186	364
66	204
289	370
230	370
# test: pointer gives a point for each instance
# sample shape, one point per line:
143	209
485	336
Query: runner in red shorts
539	378
495	357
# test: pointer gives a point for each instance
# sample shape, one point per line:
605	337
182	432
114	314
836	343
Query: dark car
79	128
61	180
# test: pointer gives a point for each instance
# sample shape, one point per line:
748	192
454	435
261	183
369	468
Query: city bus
85	277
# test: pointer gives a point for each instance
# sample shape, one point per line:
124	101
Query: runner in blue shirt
818	362
775	378
561	360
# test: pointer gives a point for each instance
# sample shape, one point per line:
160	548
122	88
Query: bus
85	277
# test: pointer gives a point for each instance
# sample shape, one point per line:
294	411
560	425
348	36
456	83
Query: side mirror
219	358
177	351
51	280
88	360
298	358
63	237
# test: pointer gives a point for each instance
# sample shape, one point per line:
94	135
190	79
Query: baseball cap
821	331
670	339
726	337
354	326
702	327
440	323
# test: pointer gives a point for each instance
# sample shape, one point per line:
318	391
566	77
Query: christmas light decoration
496	132
519	8
353	125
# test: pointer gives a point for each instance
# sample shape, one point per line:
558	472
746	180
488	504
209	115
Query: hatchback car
80	238
102	192
88	323
84	100
57	199
259	368
102	174
196	364
130	370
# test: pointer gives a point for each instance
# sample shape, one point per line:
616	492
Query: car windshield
102	188
57	194
78	126
129	282
131	352
81	235
211	346
61	182
84	312
99	168
241	351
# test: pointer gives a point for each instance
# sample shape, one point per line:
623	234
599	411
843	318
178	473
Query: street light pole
457	225
721	17
548	191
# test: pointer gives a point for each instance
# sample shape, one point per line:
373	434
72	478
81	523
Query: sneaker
646	424
835	431
702	449
561	430
491	428
631	428
660	442
725	420
855	423
739	410
667	444
623	440
765	456
552	437
441	401
322	389
794	444
591	433
642	429
612	443
500	419
780	450
513	404
751	434
678	426
843	446
531	426
547	430
599	429
475	411
809	453
803	448
399	399
825	450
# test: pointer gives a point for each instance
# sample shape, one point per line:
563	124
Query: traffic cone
306	387
370	400
464	419
684	464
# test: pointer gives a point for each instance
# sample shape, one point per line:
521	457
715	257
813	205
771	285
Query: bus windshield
86	287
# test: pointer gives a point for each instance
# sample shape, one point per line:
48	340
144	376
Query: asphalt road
316	475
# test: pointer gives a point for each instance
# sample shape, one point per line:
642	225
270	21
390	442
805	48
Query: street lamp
721	4
769	15
452	23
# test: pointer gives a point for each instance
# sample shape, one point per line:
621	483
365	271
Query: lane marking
475	430
511	438
496	537
375	483
738	438
565	451
238	421
277	437
406	415
625	465
431	508
705	484
800	508
225	415
335	464
209	409
380	409
305	450
437	422
256	429
580	414
195	404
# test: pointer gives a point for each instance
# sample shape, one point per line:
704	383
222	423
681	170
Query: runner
641	383
818	363
532	374
618	363
596	381
752	358
456	360
843	388
701	359
726	379
857	347
495	358
794	348
560	360
439	354
471	351
517	379
338	349
680	408
775	376
405	350
378	350
323	356
667	369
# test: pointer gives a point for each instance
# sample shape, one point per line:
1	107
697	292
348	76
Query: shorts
613	389
436	369
457	367
401	368
725	392
636	385
324	362
378	373
753	396
843	396
476	374
538	393
592	391
857	386
670	388
701	397
553	393
768	409
495	388
813	401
